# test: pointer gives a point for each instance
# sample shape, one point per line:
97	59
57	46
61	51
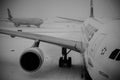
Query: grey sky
66	8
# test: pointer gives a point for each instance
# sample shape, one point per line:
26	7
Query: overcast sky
65	8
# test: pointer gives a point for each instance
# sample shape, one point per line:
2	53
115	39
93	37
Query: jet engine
32	59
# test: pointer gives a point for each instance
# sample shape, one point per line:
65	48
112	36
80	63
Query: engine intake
32	59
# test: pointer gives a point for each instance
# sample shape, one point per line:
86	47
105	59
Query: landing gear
36	43
16	25
65	61
19	30
86	75
38	26
28	25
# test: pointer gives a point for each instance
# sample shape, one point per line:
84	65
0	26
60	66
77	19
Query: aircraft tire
69	62
16	25
61	62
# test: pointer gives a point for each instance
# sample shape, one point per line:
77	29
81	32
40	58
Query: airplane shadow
56	72
46	72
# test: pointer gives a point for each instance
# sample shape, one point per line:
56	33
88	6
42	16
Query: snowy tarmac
12	48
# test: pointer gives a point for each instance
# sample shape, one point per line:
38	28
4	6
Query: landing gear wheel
61	62
69	62
82	75
65	63
85	75
16	25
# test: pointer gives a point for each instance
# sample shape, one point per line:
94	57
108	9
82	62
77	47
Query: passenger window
114	54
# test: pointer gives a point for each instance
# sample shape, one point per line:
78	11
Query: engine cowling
32	59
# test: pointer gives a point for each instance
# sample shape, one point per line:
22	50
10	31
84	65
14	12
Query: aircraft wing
70	44
70	19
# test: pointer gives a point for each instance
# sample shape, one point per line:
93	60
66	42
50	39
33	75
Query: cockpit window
115	54
118	57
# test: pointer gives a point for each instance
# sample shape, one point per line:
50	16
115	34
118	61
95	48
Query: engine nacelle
32	59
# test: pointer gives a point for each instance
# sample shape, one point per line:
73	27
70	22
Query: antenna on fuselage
91	9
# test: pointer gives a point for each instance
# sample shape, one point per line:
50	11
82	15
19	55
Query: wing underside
70	44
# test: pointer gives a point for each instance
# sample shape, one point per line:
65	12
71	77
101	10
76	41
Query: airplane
23	21
100	49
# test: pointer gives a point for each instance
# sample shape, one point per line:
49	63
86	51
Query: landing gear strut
65	61
36	43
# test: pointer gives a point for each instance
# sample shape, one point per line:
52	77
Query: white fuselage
97	56
27	21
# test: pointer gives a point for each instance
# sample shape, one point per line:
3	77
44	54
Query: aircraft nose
113	42
112	57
